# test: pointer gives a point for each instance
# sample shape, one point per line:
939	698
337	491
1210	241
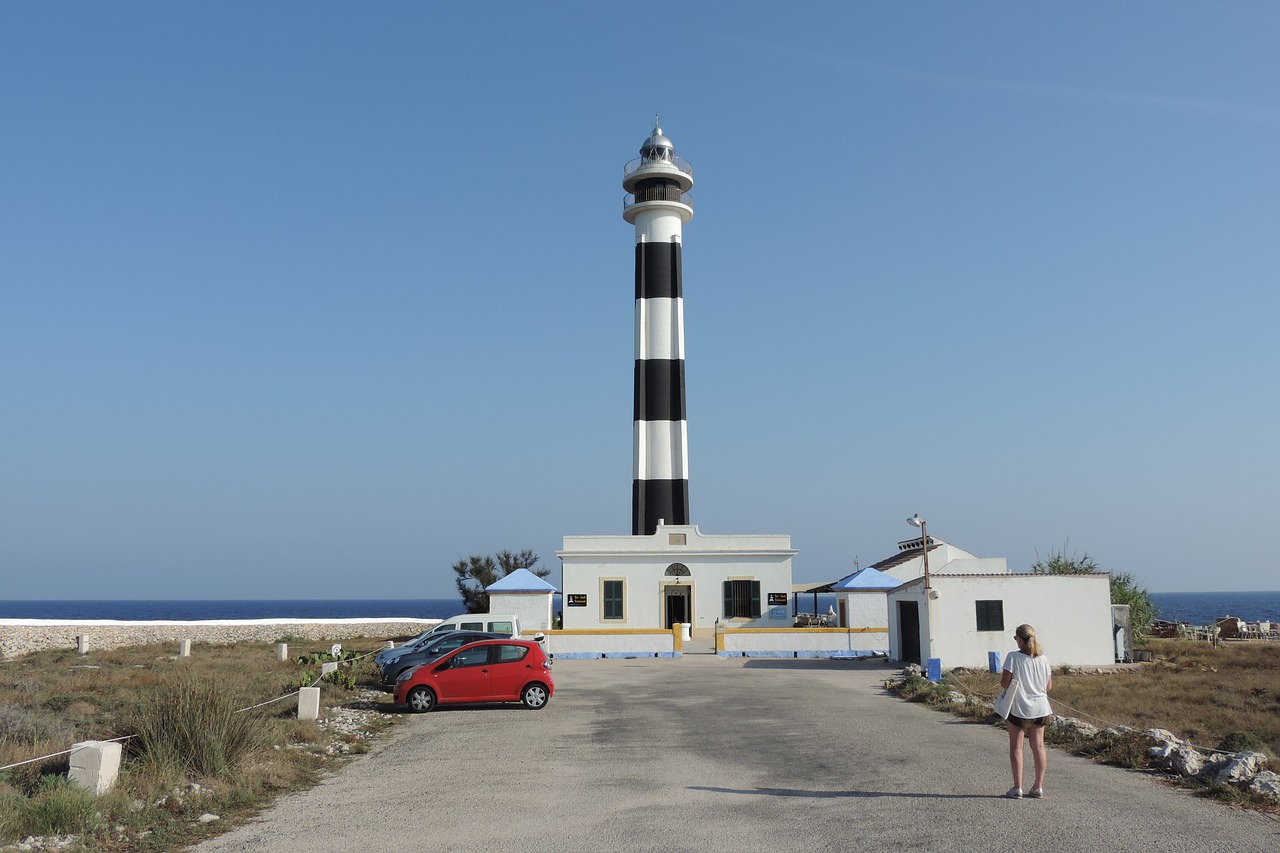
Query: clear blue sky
313	299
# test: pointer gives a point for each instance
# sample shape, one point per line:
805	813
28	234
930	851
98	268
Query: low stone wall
18	637
603	642
802	642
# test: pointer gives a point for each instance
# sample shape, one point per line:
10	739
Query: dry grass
1212	697
52	699
1225	698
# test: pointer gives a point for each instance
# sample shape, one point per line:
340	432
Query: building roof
908	550
1003	575
521	580
868	578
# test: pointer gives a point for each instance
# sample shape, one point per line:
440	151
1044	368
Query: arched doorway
677	597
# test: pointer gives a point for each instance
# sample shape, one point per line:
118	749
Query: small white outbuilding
524	594
964	619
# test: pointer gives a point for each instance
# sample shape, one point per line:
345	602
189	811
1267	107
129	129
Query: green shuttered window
742	599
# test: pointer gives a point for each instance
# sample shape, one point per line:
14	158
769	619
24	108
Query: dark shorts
1036	721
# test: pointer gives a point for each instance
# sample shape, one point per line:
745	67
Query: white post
95	765
82	643
389	645
282	651
184	648
686	631
309	703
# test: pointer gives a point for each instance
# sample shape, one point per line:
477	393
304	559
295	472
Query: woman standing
1031	710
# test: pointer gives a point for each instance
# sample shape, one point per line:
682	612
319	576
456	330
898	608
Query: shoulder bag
1005	699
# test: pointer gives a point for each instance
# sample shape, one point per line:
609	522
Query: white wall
1071	615
866	609
533	608
642	562
805	640
568	643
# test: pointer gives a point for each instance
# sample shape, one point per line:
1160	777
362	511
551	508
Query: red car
487	671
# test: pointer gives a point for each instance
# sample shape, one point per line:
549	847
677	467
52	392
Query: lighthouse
658	205
667	573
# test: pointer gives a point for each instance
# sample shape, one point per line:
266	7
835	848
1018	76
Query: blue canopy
866	579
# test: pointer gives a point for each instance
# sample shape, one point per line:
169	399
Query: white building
861	597
964	619
676	575
525	595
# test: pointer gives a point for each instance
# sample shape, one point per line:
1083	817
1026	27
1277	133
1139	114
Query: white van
497	623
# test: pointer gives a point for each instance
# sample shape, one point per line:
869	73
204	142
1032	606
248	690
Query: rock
955	697
1266	784
1241	767
1072	727
1187	761
1162	736
208	818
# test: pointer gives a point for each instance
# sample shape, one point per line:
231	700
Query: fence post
184	648
95	765
309	703
282	651
82	643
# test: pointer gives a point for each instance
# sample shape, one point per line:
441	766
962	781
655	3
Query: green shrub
58	807
1242	742
195	726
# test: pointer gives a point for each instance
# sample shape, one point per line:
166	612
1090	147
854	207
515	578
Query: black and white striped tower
658	204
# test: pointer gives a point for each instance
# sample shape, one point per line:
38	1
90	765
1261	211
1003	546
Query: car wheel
421	699
534	696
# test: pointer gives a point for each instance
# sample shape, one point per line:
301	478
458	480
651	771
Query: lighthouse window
742	599
611	595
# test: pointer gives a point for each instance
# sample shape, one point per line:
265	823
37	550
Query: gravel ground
18	637
704	753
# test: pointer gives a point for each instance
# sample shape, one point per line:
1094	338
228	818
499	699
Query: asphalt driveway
703	753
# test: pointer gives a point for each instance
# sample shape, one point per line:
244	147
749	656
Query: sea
1193	608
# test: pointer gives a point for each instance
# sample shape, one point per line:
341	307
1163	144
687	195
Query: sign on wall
577	599
777	598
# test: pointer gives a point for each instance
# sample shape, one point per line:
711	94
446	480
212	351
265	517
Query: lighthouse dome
657	146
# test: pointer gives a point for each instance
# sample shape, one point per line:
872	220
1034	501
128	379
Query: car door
466	678
508	670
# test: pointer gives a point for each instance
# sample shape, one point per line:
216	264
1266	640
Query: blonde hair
1028	635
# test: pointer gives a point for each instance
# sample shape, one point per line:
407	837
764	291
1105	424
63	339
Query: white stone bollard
685	631
82	644
184	648
282	651
95	765
389	645
326	668
309	703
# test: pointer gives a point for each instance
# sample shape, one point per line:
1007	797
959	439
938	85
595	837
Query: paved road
705	754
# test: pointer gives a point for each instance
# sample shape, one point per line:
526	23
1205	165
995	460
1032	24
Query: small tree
1124	589
476	572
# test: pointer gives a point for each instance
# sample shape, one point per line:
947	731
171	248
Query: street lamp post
917	521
